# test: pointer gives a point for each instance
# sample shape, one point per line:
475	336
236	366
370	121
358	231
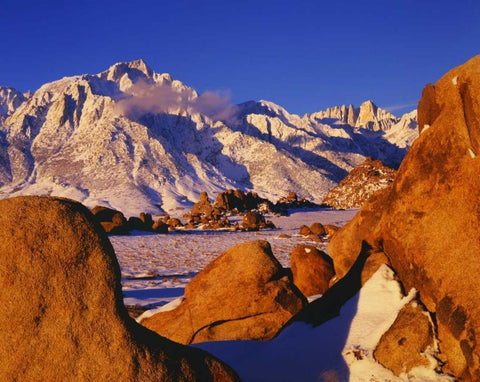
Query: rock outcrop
253	221
61	305
10	100
360	183
427	221
244	294
292	201
368	116
111	220
235	201
312	269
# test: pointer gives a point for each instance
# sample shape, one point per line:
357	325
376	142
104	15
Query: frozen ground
156	268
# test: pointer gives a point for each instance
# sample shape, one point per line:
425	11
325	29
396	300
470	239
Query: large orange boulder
61	307
312	269
244	294
427	223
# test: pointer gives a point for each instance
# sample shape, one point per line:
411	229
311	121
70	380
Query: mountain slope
134	139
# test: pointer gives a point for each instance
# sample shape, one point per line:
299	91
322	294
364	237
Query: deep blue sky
303	55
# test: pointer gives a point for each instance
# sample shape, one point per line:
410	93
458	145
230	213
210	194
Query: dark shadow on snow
310	346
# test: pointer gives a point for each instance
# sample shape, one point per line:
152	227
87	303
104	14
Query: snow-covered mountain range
136	140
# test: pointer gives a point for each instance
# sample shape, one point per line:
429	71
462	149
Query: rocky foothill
205	215
360	183
425	226
61	305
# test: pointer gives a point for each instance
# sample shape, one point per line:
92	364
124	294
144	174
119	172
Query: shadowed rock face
428	221
61	309
244	294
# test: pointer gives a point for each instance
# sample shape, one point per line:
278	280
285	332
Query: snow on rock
361	183
368	116
10	100
339	349
135	140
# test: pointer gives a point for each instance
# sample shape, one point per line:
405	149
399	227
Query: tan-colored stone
317	229
331	230
305	230
405	344
244	294
427	221
160	227
312	269
61	305
253	221
359	185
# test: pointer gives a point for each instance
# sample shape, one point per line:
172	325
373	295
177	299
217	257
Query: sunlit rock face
426	222
61	305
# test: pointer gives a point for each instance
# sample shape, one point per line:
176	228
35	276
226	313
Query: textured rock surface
427	221
312	269
61	305
244	294
253	221
360	184
405	344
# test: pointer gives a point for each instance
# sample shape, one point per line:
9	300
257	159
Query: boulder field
426	224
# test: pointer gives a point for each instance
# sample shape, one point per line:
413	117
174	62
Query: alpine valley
136	140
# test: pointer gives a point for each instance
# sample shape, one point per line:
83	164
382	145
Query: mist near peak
144	97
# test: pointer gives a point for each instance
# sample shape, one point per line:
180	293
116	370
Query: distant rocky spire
368	116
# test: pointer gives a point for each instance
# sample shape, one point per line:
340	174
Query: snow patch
339	349
165	308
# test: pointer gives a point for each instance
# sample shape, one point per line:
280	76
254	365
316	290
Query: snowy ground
156	268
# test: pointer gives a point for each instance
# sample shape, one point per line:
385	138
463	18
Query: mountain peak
368	103
141	65
368	116
133	69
